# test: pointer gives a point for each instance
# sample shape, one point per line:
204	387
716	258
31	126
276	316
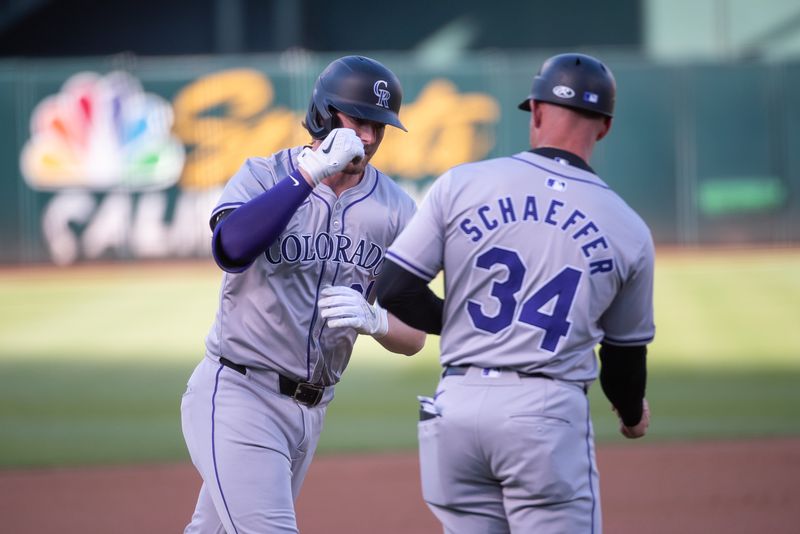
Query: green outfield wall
122	158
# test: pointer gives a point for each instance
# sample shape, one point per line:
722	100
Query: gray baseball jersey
542	261
267	316
251	444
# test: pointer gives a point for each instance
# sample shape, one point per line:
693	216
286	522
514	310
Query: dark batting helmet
576	81
356	86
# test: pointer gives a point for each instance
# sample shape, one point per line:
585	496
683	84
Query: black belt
461	370
303	392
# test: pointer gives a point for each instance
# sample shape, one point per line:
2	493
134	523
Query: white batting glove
337	150
346	308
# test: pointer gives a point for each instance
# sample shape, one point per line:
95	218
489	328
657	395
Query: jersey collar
569	157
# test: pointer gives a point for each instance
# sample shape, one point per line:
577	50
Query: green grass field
93	362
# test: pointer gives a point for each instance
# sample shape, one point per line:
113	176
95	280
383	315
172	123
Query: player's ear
336	120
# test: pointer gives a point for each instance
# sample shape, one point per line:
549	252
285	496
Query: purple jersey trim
344	212
549	171
589	457
408	266
289	158
226	206
319	280
214	446
316	298
374	186
622	342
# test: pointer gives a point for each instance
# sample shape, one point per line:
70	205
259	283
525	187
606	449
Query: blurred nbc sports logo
102	133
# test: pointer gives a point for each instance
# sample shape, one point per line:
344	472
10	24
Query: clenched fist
337	150
640	429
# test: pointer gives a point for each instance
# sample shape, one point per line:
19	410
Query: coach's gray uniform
268	321
542	261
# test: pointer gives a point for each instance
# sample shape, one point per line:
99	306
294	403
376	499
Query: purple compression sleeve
252	227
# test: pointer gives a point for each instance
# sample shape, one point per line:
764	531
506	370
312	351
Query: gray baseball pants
510	454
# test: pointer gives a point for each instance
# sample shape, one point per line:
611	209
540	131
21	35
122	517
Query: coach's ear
605	128
536	114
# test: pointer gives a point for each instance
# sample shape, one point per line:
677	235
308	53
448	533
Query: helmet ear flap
318	119
321	118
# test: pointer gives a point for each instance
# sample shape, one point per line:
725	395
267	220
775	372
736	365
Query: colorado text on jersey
337	248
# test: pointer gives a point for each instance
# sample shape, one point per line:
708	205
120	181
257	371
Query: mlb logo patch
556	184
590	97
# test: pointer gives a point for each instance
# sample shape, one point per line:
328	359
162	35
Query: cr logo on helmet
382	93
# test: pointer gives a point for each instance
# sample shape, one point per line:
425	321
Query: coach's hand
346	308
337	150
640	429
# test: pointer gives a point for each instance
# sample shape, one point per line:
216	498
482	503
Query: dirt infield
737	487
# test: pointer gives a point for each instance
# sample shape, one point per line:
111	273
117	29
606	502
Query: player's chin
356	168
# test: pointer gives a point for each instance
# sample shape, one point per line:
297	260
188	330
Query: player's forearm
402	338
252	227
623	377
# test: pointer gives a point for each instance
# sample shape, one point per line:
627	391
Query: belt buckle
308	394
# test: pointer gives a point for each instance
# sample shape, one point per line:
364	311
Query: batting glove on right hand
345	307
337	150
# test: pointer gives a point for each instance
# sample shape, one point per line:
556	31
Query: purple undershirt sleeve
251	228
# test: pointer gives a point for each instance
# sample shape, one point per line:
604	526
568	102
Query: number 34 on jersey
562	287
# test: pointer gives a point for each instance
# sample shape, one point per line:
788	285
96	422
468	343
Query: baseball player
301	236
542	261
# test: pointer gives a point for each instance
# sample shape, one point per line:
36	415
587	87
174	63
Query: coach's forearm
623	377
409	298
402	338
